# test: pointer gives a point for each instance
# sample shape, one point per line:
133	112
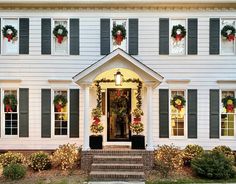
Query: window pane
14	123
224	132
231	132
181	132
7	123
57	131
14	131
64	131
7	131
64	124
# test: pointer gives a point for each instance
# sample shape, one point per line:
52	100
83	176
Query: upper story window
227	41
60	41
227	113
178	113
178	37
10	112
119	34
10	35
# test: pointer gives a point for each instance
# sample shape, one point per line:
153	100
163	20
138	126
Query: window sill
10	80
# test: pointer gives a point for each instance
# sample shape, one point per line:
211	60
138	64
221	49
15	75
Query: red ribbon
9	37
58	107
230	37
59	38
178	37
230	108
96	120
119	38
179	107
8	108
118	93
137	119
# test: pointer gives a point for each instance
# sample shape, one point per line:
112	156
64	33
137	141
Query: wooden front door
118	114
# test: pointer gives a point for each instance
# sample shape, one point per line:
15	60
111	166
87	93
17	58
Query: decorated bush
167	159
39	161
226	151
137	125
191	151
11	157
213	165
14	171
66	156
96	126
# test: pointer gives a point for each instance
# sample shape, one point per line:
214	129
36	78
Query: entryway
118	114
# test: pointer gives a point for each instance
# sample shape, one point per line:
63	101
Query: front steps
117	166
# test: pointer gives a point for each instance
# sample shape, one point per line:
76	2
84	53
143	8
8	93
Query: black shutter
214	113
192	113
74	37
24	36
46	36
214	35
46	113
74	113
164	113
133	36
105	36
23	112
192	36
163	36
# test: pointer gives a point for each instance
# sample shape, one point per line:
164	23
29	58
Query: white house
193	63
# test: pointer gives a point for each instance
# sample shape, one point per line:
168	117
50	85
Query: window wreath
228	32
118	33
178	32
10	102
59	101
229	103
9	32
60	32
178	102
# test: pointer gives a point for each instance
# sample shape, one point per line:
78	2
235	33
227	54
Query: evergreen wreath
118	33
60	101
10	102
60	32
9	32
229	103
178	102
178	32
228	32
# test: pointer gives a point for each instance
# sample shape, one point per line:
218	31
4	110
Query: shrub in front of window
66	156
60	32
39	161
96	126
10	157
118	33
60	102
213	165
9	32
178	32
10	103
226	151
228	32
168	159
191	151
14	171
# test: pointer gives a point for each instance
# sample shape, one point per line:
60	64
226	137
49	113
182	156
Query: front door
118	114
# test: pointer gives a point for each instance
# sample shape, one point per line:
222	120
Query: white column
149	119
86	118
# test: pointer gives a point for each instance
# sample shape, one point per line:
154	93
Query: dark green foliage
225	30
14	171
213	165
60	27
117	28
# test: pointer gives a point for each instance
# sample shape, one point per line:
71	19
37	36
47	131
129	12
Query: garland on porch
9	32
228	32
229	103
60	32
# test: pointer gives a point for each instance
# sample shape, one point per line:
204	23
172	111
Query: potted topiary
137	141
95	140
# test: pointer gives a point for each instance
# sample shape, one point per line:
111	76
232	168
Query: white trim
10	80
58	80
178	81
226	81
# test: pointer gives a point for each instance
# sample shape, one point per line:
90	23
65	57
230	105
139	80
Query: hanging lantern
118	78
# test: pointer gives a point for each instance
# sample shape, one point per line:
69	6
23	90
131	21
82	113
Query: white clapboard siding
35	69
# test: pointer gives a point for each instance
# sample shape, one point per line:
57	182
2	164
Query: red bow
9	37
230	108
8	108
137	119
119	38
179	107
58	107
59	38
178	37
96	120
230	37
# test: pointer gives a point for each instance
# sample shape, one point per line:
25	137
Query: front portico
105	68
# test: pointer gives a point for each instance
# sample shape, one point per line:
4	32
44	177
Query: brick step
117	153
117	159
116	176
117	167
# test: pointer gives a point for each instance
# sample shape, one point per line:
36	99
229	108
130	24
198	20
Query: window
177	113
119	43
178	44
226	44
60	45
10	112
10	46
60	112
227	113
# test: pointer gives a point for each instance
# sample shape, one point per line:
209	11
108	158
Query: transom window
119	43
177	113
60	103
10	112
227	113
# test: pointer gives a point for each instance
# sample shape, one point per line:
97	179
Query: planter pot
95	141
138	142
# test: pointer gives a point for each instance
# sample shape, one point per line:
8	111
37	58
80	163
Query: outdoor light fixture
118	78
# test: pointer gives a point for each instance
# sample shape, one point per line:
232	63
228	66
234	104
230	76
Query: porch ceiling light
118	78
